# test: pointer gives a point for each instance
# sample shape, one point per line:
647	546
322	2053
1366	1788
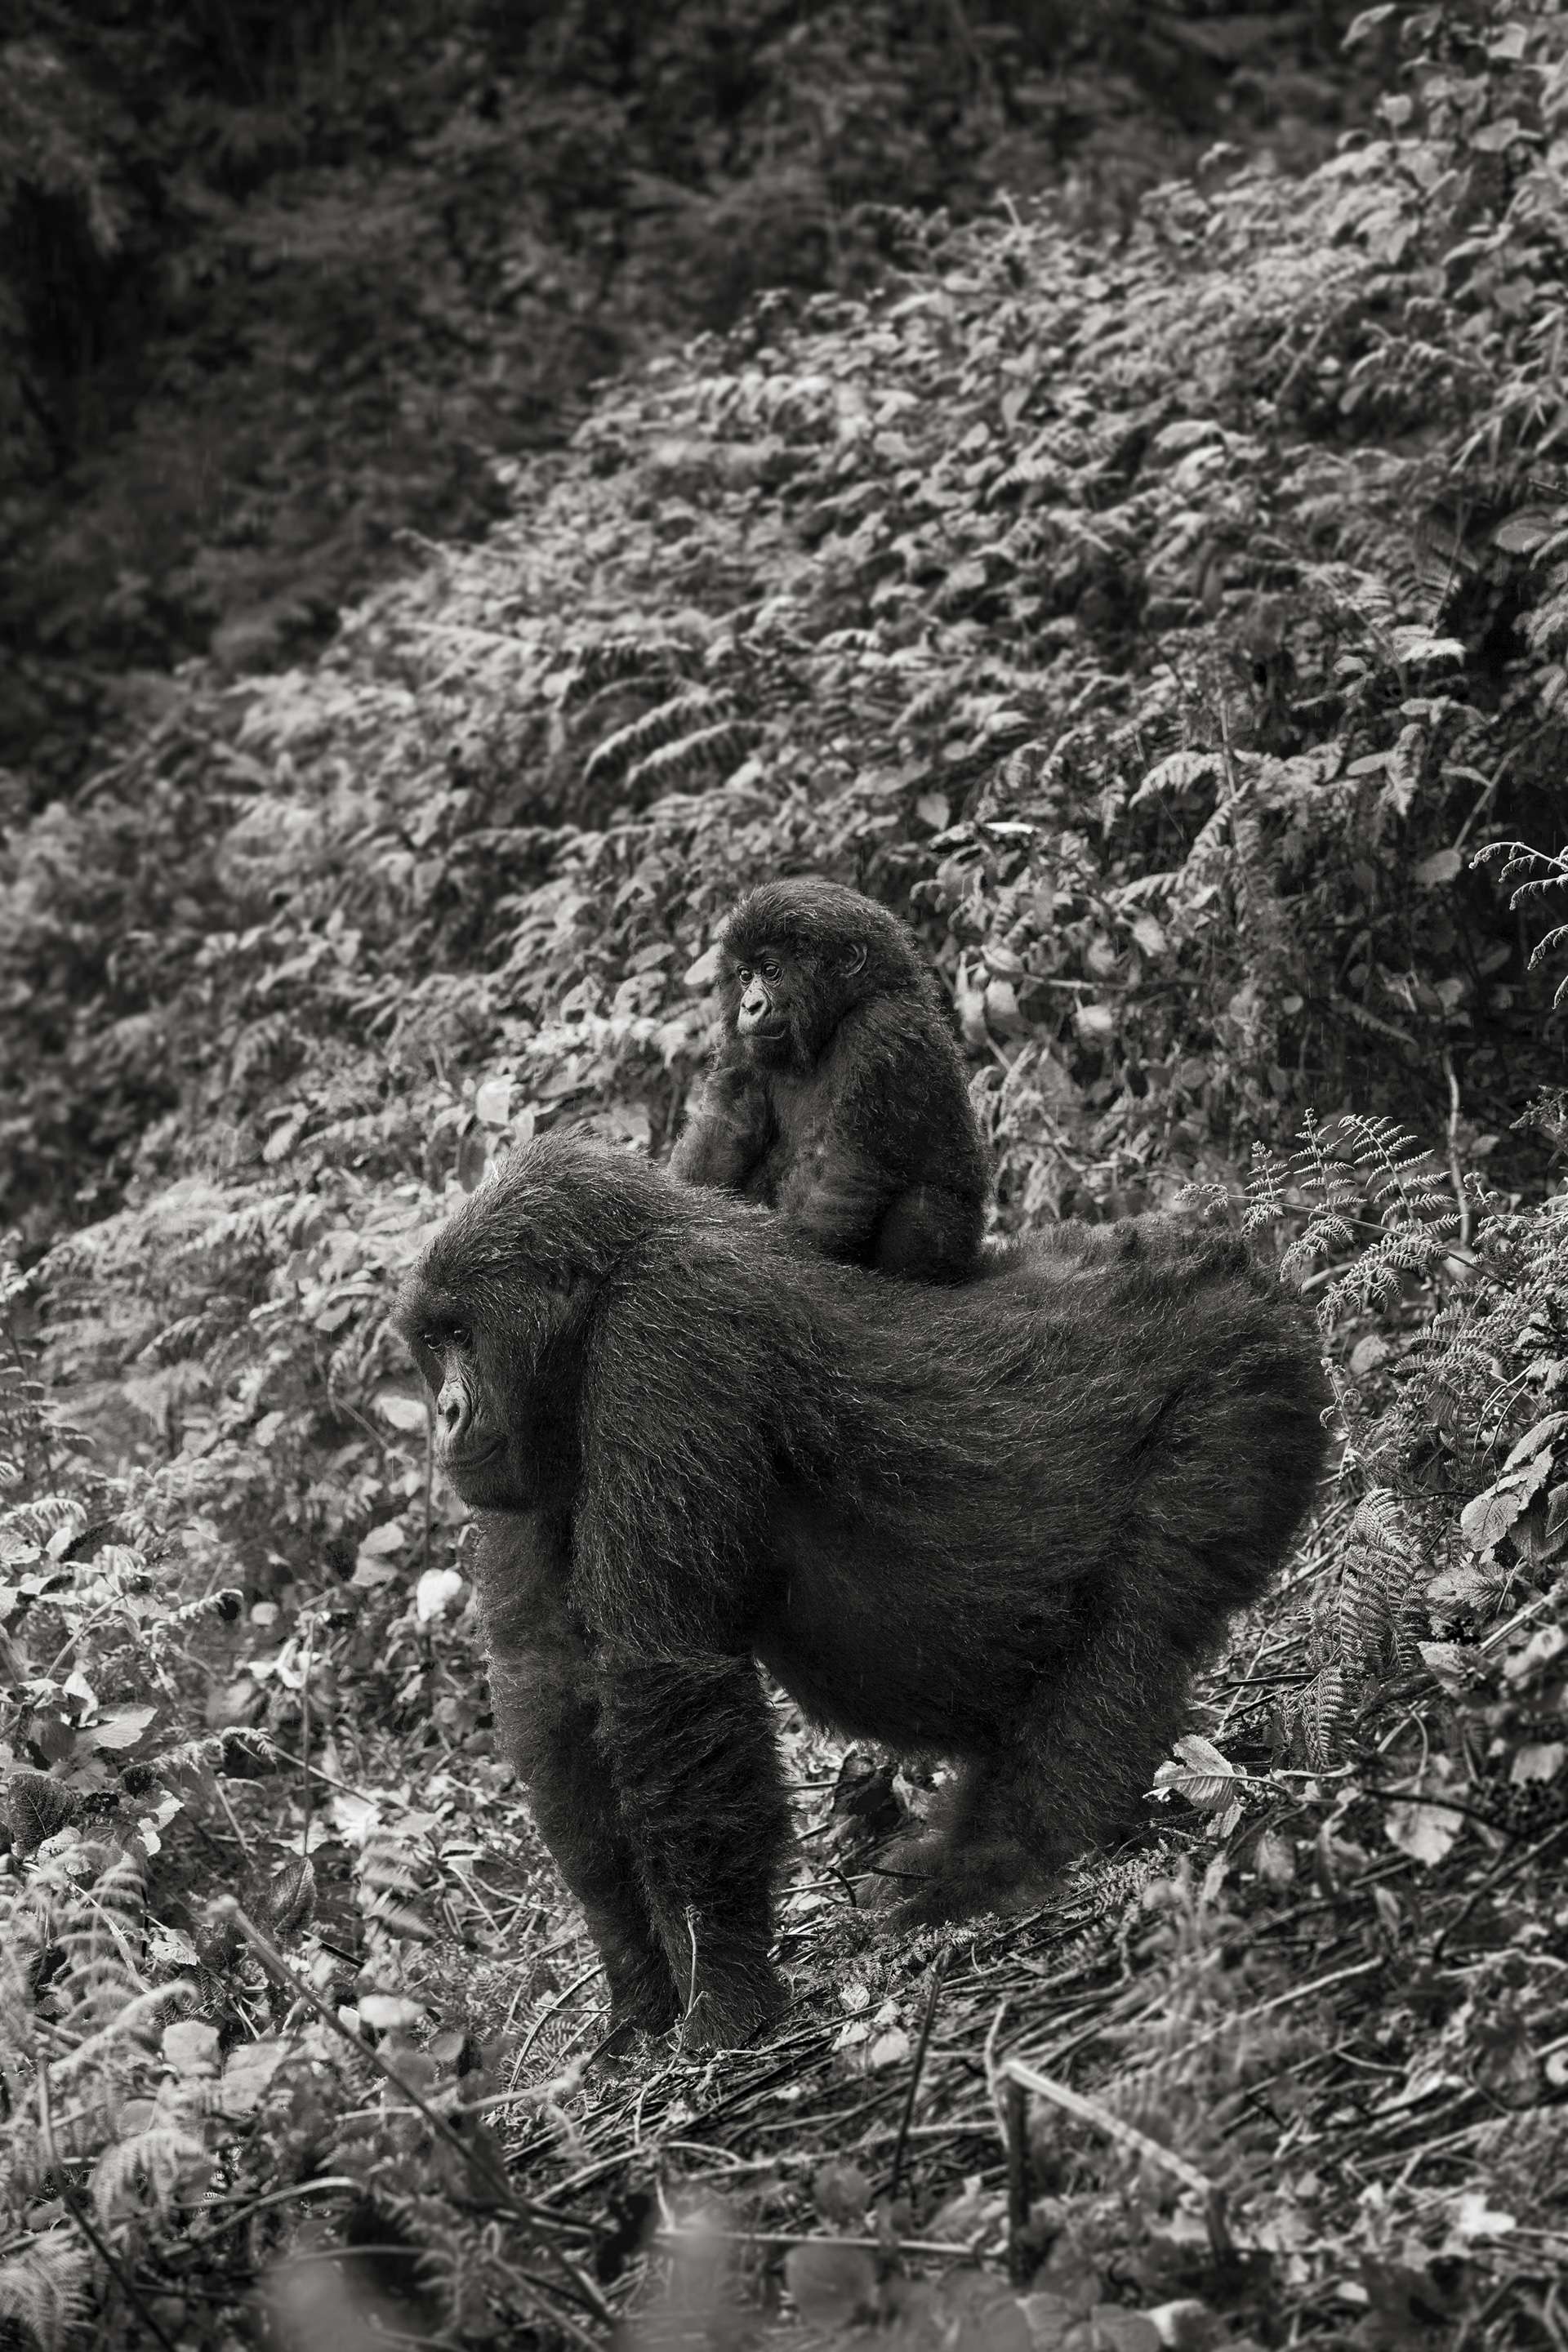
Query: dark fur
854	1121
999	1523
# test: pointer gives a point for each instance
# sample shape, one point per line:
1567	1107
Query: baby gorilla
837	1094
999	1523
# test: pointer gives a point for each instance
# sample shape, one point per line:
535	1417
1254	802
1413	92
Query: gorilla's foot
643	1998
927	1882
731	2009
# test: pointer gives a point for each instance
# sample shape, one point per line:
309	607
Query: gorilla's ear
856	960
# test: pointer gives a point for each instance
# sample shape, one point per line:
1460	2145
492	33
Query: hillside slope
1164	626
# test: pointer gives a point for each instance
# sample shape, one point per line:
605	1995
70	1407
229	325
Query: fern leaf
136	2022
1177	773
43	2290
1265	1189
1327	1716
1379	1563
711	751
615	660
146	2173
666	723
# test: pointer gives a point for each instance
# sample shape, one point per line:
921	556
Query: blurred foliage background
280	283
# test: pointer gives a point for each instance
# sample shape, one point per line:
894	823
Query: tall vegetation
279	282
1173	625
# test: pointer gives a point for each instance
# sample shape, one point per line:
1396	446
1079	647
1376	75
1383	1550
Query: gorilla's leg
1072	1775
544	1690
692	1751
573	1797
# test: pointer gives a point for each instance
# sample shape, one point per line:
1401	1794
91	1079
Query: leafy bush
1165	626
1143	619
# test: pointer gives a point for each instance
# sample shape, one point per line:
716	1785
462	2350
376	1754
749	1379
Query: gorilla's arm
728	1132
548	1719
880	1189
664	1570
703	1797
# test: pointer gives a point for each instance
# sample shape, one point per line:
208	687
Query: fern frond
614	660
716	751
1381	1524
1402	1171
1379	1565
1554	939
1177	772
191	1612
933	702
1324	1232
1548	867
1144	888
1265	1189
1319	1169
1326	1715
33	1522
137	2021
146	2173
1354	1418
44	2290
1378	1276
651	731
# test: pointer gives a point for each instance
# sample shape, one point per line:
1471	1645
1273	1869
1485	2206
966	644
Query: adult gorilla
1000	1523
837	1095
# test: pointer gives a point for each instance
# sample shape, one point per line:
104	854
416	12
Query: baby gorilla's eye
773	972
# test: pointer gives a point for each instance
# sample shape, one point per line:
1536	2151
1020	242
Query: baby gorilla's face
768	993
787	996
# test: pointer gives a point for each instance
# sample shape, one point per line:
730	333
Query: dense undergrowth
1175	629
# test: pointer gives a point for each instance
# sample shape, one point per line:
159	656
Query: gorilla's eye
772	971
743	974
453	1336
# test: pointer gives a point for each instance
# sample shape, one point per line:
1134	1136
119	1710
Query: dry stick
953	2248
1521	1616
469	1885
318	1772
1015	2132
305	1746
1455	1174
961	2128
1089	2111
988	2055
337	2184
84	2222
692	1938
923	2044
1475	2321
1509	1868
429	1478
232	1818
569	1936
1438	1804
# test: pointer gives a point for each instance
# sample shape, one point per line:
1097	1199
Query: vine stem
1455	1174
